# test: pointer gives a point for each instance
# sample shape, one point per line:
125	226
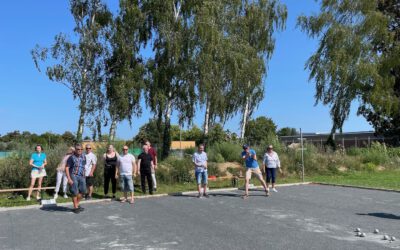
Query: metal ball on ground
357	230
385	237
376	231
392	238
363	235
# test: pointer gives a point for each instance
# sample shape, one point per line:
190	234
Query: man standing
250	157
91	161
75	170
126	168
200	164
153	154
145	164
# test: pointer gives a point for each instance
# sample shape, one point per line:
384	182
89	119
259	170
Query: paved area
297	217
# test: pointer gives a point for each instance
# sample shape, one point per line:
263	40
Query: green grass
19	200
377	179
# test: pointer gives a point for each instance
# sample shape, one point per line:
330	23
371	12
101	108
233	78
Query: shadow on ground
382	215
55	209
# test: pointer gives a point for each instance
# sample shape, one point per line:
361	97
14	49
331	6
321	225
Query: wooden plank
23	189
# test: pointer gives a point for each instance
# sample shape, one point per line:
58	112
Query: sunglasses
125	149
78	149
88	148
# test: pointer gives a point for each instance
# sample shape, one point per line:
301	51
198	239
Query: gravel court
297	217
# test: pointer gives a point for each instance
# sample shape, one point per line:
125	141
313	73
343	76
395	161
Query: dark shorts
89	181
79	185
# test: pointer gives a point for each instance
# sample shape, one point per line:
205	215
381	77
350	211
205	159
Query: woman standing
37	162
61	176
271	163
110	163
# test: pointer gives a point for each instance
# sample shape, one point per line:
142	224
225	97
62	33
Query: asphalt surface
297	217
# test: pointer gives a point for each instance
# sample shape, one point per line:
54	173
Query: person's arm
134	168
139	161
264	164
44	163
31	163
94	162
70	182
278	163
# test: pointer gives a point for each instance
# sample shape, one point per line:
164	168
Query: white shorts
38	173
256	171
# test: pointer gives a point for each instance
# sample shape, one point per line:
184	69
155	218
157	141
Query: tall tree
80	65
170	83
125	67
357	59
254	25
260	130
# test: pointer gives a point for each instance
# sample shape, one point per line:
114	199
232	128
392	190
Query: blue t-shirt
250	162
76	165
38	159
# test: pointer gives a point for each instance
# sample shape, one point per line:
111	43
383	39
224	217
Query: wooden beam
23	189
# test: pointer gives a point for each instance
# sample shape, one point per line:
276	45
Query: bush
225	151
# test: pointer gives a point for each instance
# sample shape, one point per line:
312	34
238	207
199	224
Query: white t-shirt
91	160
200	160
272	161
126	164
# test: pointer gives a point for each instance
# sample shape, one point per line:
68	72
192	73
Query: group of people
77	169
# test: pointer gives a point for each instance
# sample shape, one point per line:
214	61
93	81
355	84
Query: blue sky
30	102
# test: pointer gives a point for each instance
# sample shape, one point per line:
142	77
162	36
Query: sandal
122	200
132	202
245	196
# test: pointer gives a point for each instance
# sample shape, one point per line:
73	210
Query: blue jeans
78	186
271	174
201	177
126	183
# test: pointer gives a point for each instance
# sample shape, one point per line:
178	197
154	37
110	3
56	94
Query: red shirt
153	154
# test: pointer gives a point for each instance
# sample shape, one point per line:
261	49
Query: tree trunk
98	125
80	125
113	129
207	118
167	129
244	118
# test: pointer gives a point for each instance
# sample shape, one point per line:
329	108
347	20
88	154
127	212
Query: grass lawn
378	179
7	200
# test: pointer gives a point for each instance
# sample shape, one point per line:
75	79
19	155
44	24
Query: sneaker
113	196
65	196
81	209
206	195
274	189
199	196
88	198
55	196
28	198
76	210
155	189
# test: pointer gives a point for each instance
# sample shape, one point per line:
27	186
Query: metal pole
180	138
302	156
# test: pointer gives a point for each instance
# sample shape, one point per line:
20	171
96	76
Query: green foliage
260	130
357	58
216	135
286	131
176	170
225	152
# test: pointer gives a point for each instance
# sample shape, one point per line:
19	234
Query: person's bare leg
33	180
199	188
75	201
39	186
90	191
263	182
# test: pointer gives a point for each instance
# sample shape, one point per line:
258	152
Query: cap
245	146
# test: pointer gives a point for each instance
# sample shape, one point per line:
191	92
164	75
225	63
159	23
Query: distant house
182	144
349	139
